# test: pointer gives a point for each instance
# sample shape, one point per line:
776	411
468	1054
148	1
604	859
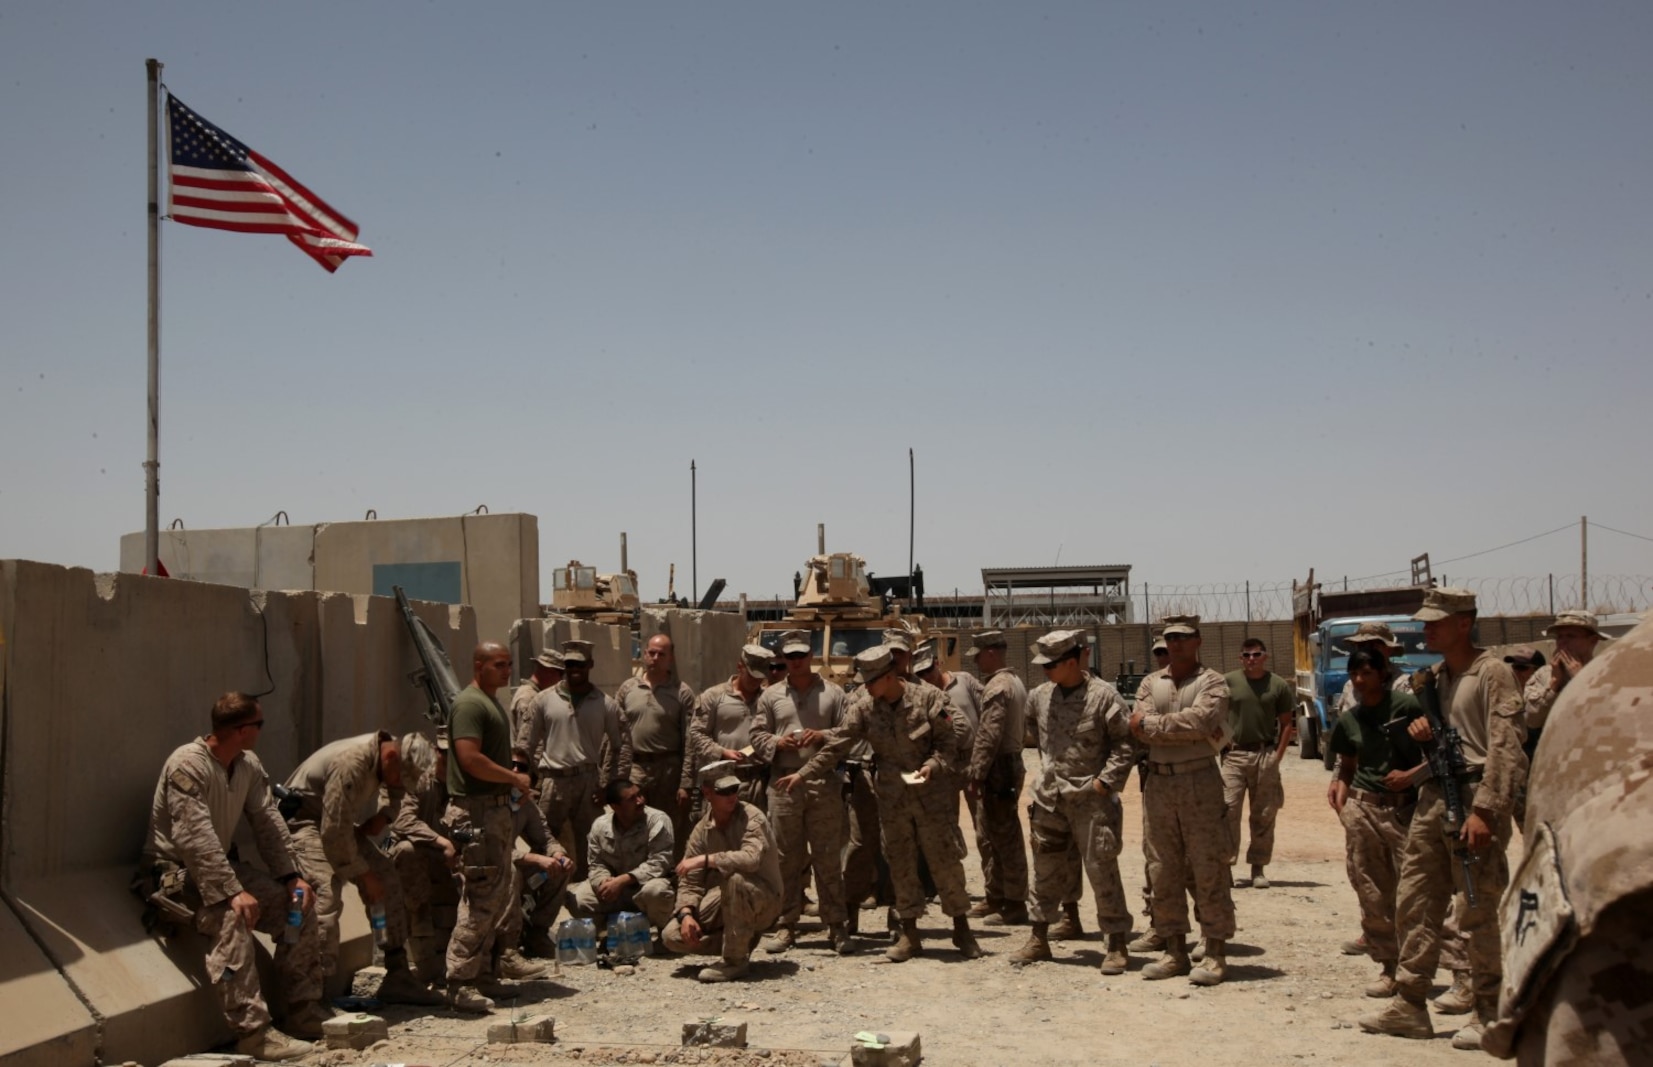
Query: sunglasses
796	655
1253	655
773	667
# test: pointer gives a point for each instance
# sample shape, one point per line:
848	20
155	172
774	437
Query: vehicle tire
1308	736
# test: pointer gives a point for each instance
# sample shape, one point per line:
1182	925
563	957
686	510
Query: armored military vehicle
580	591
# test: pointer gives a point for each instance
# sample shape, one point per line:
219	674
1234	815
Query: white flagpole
152	465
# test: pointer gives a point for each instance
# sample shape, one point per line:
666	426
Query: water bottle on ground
567	949
586	940
639	935
376	919
295	916
614	941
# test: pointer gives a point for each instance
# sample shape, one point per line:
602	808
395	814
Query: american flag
220	183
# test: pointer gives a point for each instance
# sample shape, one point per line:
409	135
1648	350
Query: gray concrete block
211	1059
354	1031
900	1049
537	1028
714	1033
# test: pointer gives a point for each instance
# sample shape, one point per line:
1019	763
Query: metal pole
694	541
624	563
912	519
1248	607
152	464
1584	562
1552	594
820	539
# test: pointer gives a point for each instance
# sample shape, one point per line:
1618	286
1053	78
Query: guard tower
1056	596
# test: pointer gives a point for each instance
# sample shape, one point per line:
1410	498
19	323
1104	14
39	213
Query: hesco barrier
101	677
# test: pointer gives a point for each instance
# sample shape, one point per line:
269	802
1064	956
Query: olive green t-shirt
478	716
1254	708
1359	732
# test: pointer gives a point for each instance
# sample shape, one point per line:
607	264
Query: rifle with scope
1445	753
435	673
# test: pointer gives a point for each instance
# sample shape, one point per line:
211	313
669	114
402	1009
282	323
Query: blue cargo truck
1322	619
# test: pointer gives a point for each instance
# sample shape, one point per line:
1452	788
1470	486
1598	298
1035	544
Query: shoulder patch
184	784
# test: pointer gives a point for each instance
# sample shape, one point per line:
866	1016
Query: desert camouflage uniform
644	852
809	821
522	701
656	722
996	766
484	808
918	731
1084	738
339	791
1577	924
739	897
537	905
430	888
563	738
1485	706
723	720
1184	827
194	814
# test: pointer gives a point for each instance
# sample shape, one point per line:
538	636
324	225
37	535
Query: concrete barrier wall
707	643
611	647
101	677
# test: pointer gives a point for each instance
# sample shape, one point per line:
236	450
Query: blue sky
1223	295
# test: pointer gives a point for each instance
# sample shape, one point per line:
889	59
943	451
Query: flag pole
152	465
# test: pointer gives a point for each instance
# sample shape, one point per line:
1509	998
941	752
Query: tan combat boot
964	940
1469	1037
725	971
1118	959
304	1020
1068	929
781	940
1459	999
1013	913
907	944
269	1045
1037	947
1384	987
1401	1017
1173	963
1198	952
401	987
514	965
1213	967
838	937
1150	941
467	997
983	908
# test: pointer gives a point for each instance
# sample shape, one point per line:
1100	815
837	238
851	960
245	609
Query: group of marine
710	814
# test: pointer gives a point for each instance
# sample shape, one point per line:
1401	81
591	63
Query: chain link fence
1531	595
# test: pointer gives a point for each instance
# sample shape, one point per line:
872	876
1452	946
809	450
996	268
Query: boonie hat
1369	632
1054	645
924	657
1440	603
550	658
873	664
984	640
577	652
1181	624
897	637
794	641
1584	620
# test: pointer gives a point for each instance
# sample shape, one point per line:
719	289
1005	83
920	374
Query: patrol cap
756	659
897	637
1181	624
1440	603
577	652
1524	656
794	641
1371	631
1054	645
550	658
720	775
873	664
1160	645
1584	620
984	640
924	657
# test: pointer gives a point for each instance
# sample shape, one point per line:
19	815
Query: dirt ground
1290	996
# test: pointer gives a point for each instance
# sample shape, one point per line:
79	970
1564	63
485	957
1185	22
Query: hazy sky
1220	294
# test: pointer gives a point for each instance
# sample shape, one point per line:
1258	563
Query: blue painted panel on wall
436	582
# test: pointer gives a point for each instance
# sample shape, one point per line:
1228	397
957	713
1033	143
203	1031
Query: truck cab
1318	693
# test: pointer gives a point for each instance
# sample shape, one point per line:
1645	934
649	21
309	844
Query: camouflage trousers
1374	836
1454	945
570	803
659	776
1084	833
999	840
809	825
866	874
732	914
1430	878
486	890
922	819
232	961
312	863
1185	836
1256	774
537	906
430	892
654	898
1597	1009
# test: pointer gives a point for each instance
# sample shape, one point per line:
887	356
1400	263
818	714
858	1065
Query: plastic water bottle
295	916
567	942
376	919
585	940
615	942
537	879
516	798
641	935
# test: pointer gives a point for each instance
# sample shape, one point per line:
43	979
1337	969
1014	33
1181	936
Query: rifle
287	801
435	672
1445	753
